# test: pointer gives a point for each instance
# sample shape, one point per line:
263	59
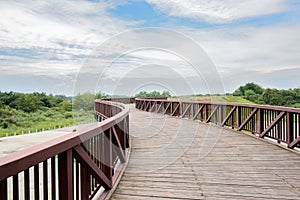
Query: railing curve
81	165
281	124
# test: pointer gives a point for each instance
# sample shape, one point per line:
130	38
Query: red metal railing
279	123
74	166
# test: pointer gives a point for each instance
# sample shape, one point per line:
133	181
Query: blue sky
44	45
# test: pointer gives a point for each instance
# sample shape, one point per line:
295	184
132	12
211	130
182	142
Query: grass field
21	122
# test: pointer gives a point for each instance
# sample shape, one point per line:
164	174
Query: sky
46	46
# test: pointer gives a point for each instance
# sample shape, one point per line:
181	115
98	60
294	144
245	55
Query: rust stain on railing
279	123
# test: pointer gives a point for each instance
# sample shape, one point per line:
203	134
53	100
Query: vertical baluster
45	179
93	147
297	134
239	116
232	118
127	131
26	185
77	179
89	183
36	182
16	187
53	178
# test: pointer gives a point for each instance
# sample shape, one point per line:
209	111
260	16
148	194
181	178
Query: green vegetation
214	98
253	93
38	111
270	96
153	94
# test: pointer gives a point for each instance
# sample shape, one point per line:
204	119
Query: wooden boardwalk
169	161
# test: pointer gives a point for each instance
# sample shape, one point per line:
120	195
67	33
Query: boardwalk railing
279	123
130	100
74	166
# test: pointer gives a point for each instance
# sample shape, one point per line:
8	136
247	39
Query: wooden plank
235	168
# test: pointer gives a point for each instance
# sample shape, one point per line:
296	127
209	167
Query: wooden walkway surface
169	161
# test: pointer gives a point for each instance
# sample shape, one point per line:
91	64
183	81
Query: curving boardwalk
169	161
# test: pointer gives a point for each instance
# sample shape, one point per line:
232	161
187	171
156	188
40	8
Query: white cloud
61	34
264	54
219	11
64	30
258	48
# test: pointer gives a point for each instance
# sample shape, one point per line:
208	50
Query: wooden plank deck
166	163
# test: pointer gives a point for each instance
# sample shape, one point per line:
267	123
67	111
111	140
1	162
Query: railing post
65	175
260	121
126	131
107	157
221	112
289	128
206	112
84	183
239	116
3	189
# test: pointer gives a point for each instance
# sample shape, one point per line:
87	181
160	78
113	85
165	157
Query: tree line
270	96
35	111
153	94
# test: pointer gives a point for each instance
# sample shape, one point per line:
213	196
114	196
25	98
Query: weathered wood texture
169	161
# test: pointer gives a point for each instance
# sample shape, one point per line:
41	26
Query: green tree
28	102
166	93
153	94
84	101
250	95
142	94
248	86
100	95
65	106
272	97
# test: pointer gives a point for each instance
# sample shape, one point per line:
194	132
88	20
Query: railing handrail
275	122
35	154
14	163
250	105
